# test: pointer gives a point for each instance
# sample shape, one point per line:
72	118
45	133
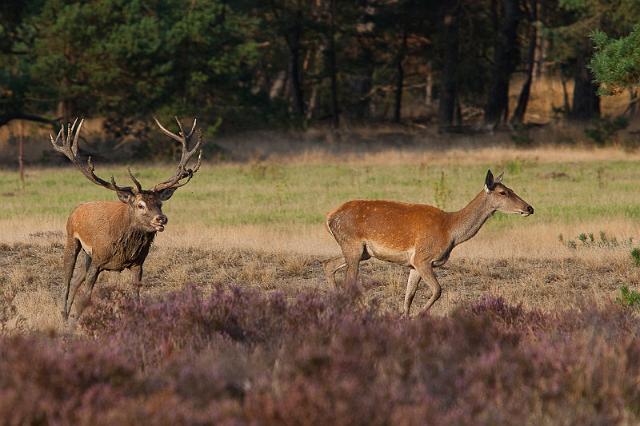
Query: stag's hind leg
71	251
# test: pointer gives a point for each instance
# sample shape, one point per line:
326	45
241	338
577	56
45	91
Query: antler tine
135	181
188	174
182	171
68	145
180	127
89	173
167	132
197	167
74	144
54	142
193	126
184	139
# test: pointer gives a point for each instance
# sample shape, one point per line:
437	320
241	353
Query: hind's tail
329	222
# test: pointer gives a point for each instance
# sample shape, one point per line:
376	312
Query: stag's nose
161	219
529	209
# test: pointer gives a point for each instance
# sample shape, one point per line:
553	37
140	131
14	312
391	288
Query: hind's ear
489	184
499	178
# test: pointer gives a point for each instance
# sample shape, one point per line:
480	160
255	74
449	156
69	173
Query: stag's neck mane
132	243
466	223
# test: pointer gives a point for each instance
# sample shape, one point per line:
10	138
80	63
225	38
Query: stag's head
145	205
503	199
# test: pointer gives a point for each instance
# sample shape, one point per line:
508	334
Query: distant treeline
283	63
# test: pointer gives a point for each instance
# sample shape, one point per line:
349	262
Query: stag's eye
141	206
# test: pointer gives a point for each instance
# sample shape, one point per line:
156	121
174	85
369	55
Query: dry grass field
261	224
237	326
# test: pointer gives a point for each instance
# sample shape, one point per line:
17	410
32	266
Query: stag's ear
165	194
489	184
125	196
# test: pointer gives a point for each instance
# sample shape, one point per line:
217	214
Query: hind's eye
141	206
502	193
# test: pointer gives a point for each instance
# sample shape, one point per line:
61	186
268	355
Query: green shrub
588	240
628	297
604	130
635	255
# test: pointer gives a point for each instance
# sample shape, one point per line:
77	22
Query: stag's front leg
90	278
71	251
136	280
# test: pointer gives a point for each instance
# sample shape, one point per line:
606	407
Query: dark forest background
295	64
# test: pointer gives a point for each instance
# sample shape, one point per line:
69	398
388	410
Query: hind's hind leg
331	266
353	254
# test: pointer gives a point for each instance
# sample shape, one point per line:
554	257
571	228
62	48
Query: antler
182	171
67	143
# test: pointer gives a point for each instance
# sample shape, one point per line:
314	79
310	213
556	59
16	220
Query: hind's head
503	199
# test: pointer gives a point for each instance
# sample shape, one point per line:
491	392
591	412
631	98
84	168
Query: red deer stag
414	235
114	235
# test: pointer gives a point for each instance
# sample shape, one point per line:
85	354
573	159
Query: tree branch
6	118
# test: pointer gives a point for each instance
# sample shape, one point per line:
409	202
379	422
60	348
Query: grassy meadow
268	217
235	304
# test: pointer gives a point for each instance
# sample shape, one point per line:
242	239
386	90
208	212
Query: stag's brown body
414	235
107	232
117	235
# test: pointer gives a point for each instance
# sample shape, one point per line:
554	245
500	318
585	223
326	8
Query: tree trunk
361	85
448	79
295	73
586	102
523	99
333	69
505	56
8	117
21	154
397	111
541	44
278	85
428	86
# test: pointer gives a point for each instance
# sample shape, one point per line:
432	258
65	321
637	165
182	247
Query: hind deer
115	235
414	235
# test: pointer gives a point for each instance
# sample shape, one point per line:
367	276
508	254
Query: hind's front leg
412	287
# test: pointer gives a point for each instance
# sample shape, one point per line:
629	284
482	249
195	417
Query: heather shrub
229	355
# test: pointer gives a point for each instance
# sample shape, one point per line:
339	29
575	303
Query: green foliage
630	298
604	130
616	63
635	255
588	240
134	59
